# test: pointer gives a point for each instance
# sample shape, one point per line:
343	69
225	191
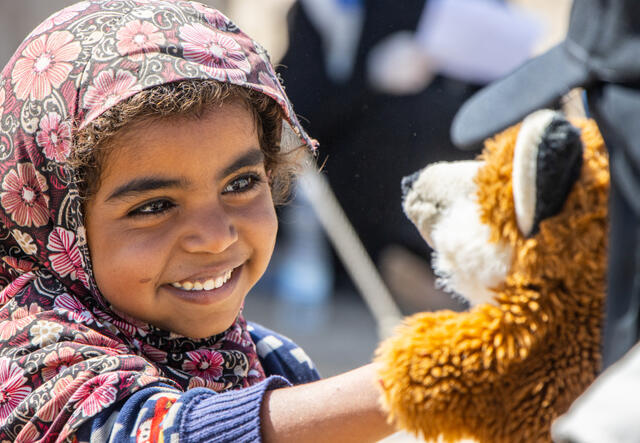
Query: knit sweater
163	413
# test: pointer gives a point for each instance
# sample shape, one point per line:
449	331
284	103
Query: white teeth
207	285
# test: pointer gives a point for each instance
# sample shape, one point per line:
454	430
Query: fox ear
546	163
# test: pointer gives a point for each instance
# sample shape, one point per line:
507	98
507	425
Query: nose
407	183
210	230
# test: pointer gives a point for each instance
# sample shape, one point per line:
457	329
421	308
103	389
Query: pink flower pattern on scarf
44	65
58	361
23	196
75	310
220	52
138	38
98	393
54	137
205	363
109	88
66	258
13	387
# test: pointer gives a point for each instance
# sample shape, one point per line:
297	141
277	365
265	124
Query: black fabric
537	84
616	108
557	168
604	35
602	45
623	302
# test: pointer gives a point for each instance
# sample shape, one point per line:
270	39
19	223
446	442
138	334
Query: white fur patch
464	260
525	158
442	204
437	187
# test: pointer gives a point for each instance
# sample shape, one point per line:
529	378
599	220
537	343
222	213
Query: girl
143	144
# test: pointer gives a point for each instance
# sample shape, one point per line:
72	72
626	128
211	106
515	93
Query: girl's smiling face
183	223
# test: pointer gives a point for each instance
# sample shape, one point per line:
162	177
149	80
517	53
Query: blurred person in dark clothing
380	109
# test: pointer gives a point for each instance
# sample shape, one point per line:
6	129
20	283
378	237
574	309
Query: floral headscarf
65	355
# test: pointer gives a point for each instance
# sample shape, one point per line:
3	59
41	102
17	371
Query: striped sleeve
161	413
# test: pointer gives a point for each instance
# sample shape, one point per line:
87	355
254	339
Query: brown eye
154	207
243	183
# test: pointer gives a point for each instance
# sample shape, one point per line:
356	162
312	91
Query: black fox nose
407	183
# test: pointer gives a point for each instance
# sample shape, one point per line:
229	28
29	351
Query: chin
201	333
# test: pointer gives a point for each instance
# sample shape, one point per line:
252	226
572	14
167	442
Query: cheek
261	227
269	227
122	262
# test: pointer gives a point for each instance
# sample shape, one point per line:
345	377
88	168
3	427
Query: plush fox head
523	207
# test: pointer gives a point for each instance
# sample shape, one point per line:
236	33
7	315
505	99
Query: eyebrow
139	185
253	157
143	184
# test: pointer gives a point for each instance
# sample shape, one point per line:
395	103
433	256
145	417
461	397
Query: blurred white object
609	411
398	65
265	21
555	16
476	40
339	22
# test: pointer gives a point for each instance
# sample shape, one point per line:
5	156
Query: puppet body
534	276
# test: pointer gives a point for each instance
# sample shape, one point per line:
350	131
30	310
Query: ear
546	163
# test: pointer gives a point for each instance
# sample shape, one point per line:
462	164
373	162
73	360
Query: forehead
217	126
215	137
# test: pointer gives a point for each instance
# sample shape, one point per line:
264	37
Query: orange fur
502	373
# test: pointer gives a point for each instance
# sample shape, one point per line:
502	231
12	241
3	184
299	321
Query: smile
204	285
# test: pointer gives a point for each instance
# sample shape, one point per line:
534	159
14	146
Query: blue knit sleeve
161	413
237	412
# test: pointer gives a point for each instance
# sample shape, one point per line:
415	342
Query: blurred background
377	82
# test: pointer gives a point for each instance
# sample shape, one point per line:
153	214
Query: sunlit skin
183	200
